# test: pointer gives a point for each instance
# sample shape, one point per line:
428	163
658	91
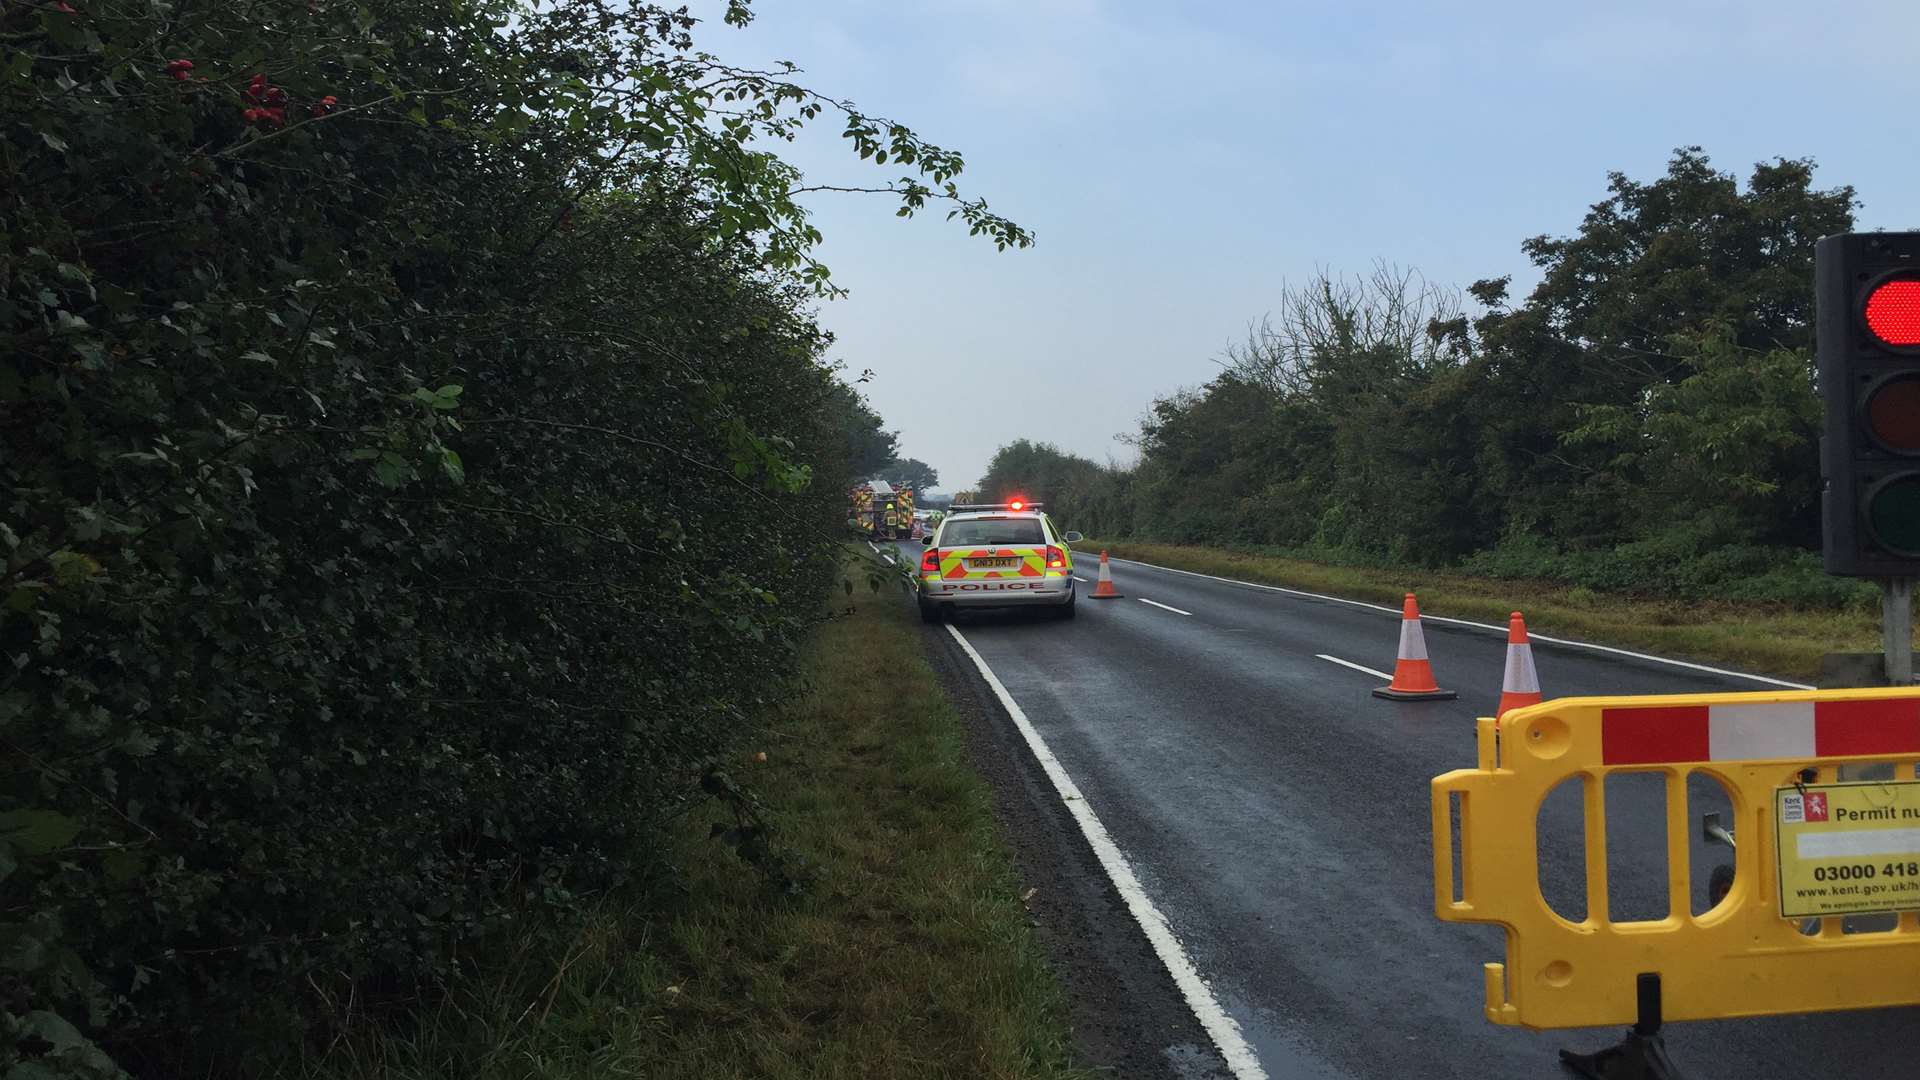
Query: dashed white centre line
889	559
1354	666
1158	604
1395	611
1240	1059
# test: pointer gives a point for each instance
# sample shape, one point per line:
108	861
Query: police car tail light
930	561
1055	557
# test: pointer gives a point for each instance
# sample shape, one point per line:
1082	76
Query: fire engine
880	511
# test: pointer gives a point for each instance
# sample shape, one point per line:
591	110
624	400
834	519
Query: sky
1182	162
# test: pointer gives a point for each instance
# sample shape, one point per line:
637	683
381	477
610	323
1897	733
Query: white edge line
1354	666
1394	611
1224	1030
874	546
1158	604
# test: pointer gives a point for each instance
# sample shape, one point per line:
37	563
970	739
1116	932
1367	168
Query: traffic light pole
1896	629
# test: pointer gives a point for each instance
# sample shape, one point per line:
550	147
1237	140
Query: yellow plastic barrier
1853	847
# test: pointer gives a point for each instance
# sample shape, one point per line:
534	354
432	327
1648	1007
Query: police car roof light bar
1024	505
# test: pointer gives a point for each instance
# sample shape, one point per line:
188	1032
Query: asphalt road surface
1277	814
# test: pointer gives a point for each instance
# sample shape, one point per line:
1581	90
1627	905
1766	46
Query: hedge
420	464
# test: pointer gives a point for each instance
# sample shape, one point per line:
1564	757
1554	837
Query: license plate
982	564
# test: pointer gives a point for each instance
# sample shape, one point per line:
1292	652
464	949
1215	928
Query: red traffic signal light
1892	311
1867	287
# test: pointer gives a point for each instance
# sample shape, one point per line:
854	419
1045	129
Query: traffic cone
1522	684
1103	589
1413	674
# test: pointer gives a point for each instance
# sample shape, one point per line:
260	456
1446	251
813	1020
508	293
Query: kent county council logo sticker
1793	810
1816	806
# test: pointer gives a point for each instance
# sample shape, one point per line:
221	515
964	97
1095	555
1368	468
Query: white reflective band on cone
1521	676
1413	644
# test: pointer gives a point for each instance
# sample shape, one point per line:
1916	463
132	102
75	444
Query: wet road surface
1277	814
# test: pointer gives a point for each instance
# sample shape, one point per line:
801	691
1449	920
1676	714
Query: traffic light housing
1867	320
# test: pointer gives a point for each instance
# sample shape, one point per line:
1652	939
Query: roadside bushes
419	463
1670	566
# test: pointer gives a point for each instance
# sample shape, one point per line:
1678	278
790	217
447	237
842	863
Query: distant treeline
1645	420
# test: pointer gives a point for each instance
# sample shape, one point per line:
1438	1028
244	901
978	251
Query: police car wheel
1064	611
929	613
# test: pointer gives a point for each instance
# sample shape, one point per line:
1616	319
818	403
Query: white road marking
1079	579
1354	666
1158	604
1395	612
1239	1056
889	559
874	546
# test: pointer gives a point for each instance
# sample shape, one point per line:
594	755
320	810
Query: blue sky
1181	162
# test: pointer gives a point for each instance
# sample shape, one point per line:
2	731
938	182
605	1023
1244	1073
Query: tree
870	450
1652	263
1726	449
1656	259
911	473
1075	491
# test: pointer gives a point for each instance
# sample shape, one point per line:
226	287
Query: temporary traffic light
1868	301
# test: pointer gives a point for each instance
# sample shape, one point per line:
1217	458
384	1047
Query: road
1277	814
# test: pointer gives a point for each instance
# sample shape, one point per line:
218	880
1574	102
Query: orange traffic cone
1103	589
1413	674
1522	684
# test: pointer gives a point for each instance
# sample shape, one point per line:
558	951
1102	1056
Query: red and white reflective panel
1765	731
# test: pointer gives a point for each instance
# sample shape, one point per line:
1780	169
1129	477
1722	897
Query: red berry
277	116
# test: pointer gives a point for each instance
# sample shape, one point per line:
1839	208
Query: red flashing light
1893	312
1017	504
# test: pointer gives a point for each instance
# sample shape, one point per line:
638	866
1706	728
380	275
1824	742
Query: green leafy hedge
418	462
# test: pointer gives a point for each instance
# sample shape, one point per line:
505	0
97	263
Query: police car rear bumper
999	593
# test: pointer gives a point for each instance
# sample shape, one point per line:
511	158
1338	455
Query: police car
995	555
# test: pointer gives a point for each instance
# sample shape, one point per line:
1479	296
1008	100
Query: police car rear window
993	531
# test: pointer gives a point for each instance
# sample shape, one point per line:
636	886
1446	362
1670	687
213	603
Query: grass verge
909	955
1759	637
